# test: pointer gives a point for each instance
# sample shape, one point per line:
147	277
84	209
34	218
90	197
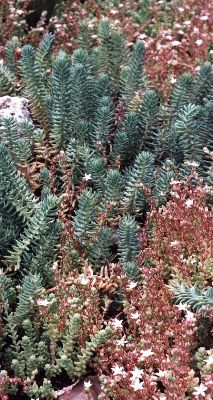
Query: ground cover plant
105	224
177	34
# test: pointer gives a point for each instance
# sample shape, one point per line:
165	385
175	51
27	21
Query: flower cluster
182	41
150	354
177	35
183	231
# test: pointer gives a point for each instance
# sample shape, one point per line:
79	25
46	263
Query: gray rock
77	391
16	107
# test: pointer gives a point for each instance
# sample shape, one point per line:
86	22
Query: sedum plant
77	182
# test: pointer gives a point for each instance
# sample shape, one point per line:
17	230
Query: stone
77	391
16	107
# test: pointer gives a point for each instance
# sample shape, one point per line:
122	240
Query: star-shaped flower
189	203
190	316
137	385
87	385
132	285
43	302
117	323
121	342
200	390
209	360
146	353
135	315
87	177
182	307
117	370
136	373
162	374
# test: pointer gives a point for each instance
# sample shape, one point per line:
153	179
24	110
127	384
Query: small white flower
113	11
175	43
199	42
192	164
43	302
145	354
204	18
137	385
136	374
87	385
173	80
195	30
174	182
162	374
142	36
55	265
182	307
118	370
132	285
135	315
187	23
200	390
209	360
121	342
117	323
87	177
181	9
174	243
190	316
189	203
84	280
168	37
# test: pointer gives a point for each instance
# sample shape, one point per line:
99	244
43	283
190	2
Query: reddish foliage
183	231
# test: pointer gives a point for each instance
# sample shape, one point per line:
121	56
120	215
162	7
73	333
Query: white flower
204	18
132	285
117	323
55	265
199	42
137	385
136	374
113	11
190	316
145	354
174	182
189	202
87	177
43	302
19	12
175	43
200	390
162	374
135	315
209	360
192	163
173	80
182	307
87	385
142	36
121	342
181	9
84	280
174	243
118	370
187	23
